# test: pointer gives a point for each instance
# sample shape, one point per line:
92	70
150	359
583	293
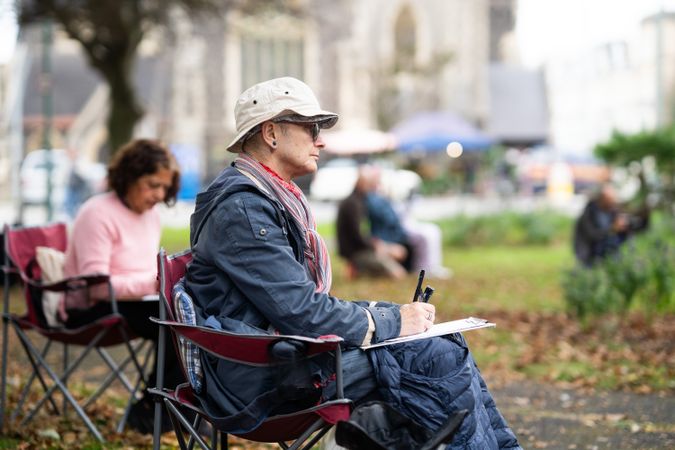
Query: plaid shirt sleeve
189	352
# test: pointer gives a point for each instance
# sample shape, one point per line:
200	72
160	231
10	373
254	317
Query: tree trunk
125	111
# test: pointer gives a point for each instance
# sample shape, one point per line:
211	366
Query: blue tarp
188	158
432	131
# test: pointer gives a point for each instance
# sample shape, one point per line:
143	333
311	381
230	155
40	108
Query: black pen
418	290
428	292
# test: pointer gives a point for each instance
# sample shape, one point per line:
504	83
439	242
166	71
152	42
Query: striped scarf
317	261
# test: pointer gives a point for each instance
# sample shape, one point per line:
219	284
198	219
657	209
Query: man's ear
268	133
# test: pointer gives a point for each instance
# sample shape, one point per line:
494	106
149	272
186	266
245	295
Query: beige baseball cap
276	98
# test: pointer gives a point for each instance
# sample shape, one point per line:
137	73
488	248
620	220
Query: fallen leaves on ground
630	354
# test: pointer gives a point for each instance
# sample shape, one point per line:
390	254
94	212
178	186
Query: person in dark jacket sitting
260	266
602	227
358	242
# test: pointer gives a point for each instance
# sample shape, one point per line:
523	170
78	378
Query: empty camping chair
304	427
21	246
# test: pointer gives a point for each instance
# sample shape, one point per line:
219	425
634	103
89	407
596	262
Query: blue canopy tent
432	131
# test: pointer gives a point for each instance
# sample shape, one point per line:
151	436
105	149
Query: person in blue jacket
259	266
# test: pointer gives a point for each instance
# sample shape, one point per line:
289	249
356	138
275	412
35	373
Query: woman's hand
416	318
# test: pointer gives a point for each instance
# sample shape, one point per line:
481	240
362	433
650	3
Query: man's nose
319	142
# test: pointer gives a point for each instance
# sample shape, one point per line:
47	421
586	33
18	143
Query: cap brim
326	119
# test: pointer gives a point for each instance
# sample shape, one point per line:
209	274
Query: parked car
33	176
335	181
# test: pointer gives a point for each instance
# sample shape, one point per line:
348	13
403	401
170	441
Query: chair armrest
73	283
246	348
9	269
79	282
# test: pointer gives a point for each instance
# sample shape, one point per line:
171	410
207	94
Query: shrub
506	229
588	291
641	273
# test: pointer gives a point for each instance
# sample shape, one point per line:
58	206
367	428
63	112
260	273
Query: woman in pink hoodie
118	233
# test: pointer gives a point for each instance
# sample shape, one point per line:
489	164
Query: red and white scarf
317	261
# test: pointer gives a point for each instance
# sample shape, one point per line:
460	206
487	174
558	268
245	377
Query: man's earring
274	143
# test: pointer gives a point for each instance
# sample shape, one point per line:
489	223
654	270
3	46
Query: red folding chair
110	330
304	427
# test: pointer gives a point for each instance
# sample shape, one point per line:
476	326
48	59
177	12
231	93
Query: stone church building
374	62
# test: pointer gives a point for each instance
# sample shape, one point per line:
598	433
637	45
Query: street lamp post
47	110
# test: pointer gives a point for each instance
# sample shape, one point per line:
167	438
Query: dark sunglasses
312	128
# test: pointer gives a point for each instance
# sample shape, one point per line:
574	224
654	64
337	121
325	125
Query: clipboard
439	329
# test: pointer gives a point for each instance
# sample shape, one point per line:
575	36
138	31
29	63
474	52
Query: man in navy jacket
259	266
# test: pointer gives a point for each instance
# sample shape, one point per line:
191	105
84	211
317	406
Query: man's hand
620	223
416	318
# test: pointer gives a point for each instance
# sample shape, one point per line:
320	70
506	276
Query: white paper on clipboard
439	329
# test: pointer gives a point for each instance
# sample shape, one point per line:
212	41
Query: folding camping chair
305	427
20	249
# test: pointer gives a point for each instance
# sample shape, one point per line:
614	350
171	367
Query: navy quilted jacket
427	380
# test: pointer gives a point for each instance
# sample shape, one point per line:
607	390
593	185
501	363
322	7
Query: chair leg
67	373
36	374
159	371
316	437
130	349
195	426
123	421
116	373
5	335
157	424
306	434
184	422
177	428
57	384
65	378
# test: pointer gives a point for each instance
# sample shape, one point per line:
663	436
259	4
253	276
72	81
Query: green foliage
9	443
622	149
587	291
641	273
440	184
633	149
506	229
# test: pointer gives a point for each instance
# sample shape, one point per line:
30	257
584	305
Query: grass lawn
485	278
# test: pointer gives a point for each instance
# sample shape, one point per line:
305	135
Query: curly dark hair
142	157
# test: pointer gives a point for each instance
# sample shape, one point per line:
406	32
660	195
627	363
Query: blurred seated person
426	239
385	224
368	254
602	227
118	233
422	240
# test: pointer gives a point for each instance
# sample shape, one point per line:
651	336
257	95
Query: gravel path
545	416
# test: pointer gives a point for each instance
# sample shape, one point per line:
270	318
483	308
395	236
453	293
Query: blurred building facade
375	62
625	85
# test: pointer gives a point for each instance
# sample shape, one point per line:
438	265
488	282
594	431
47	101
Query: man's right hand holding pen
418	316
